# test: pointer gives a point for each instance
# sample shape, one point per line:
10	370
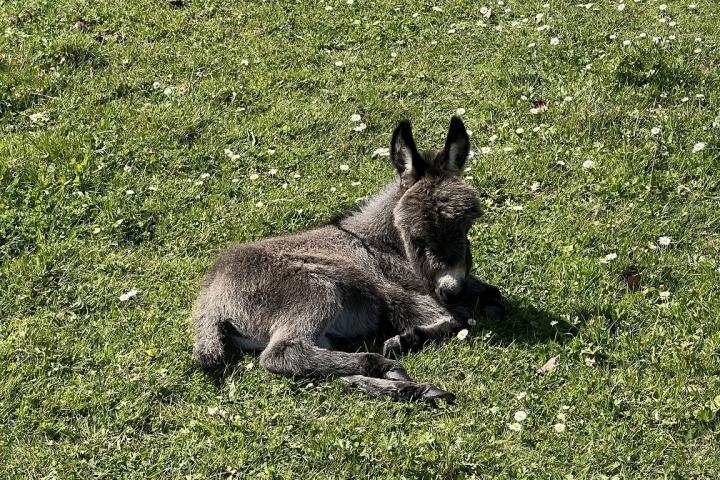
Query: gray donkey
398	268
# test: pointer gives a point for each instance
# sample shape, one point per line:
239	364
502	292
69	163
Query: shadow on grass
527	324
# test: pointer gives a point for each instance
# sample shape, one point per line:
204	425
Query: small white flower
472	322
355	117
339	63
259	204
249	366
437	9
485	150
462	334
654	130
536	129
515	427
520	416
588	164
521	395
520	131
129	192
128	295
534	111
609	258
663	7
507	149
381	152
665	295
469	132
518	208
360	127
531	45
273	171
328	8
492	138
692	6
344	167
626	43
643	35
231	155
553	323
460	111
698	147
567	98
350	2
664	241
216	411
156	85
554	41
621	7
559	427
245	62
685	99
699	96
451	31
612	37
168	91
254	176
204	176
561	163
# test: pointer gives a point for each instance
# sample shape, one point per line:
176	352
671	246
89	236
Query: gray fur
391	268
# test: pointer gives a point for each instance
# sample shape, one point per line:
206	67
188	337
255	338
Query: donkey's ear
404	154
457	147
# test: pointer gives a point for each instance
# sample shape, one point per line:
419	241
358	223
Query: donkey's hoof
392	347
397	374
432	394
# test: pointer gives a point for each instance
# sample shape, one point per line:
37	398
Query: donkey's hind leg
400	389
303	358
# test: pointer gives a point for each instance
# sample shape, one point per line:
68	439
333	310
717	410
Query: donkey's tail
209	346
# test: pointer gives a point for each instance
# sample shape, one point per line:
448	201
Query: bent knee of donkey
283	357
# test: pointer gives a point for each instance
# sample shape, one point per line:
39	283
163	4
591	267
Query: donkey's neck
374	222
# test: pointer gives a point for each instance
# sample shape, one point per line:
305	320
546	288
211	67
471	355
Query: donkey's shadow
526	324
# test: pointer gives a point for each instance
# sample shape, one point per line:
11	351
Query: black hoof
432	394
397	374
392	347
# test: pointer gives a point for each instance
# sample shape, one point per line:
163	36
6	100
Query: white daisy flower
654	130
460	111
520	416
664	295
698	147
339	63
515	427
344	167
381	152
554	41
355	117
664	241
588	164
521	395
559	427
361	126
609	258
128	295
462	334
254	176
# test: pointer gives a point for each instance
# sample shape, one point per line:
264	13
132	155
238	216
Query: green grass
147	95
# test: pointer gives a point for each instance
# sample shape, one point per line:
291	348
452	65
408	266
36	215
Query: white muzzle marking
451	280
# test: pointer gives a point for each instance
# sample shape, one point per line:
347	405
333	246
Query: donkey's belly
353	323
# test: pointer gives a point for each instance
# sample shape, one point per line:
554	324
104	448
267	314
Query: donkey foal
398	267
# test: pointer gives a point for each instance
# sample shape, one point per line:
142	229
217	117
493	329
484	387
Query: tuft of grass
139	138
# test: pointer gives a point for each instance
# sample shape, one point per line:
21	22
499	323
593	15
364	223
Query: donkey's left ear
457	147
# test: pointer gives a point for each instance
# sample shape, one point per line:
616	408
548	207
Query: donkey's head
437	209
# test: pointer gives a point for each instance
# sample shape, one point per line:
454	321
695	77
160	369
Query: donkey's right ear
404	154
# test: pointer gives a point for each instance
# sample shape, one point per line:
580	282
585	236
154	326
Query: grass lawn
138	138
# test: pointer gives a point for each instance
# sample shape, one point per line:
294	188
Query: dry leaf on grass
548	367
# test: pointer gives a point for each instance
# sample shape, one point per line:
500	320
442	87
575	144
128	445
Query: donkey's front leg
420	319
483	296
